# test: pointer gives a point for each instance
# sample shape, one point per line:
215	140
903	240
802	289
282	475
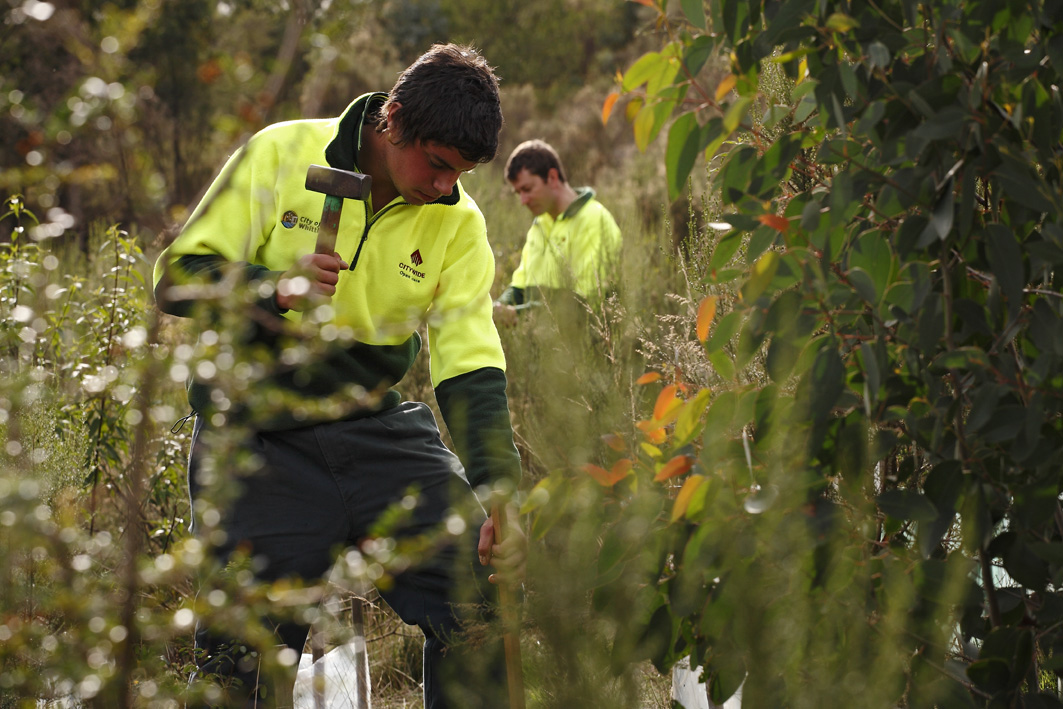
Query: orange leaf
666	401
774	221
648	378
607	478
607	107
706	313
725	86
653	430
647	3
686	494
614	441
676	466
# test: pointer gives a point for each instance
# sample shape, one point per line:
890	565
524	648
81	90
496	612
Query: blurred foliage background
810	444
116	116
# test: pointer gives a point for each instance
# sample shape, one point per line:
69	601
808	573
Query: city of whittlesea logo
290	220
408	271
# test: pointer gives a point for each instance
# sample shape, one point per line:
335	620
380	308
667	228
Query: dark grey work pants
319	489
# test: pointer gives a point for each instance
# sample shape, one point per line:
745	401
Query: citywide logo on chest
408	271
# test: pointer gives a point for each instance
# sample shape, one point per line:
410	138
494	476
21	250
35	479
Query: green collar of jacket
584	195
342	150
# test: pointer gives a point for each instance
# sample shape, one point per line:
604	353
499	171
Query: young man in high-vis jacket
307	380
573	244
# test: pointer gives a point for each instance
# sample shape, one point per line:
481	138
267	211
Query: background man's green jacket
579	251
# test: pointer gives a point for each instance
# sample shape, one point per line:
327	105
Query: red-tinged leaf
622	467
647	3
706	314
686	494
614	441
725	86
666	402
607	478
676	466
648	378
607	107
774	221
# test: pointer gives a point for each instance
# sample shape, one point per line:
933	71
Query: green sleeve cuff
476	412
512	296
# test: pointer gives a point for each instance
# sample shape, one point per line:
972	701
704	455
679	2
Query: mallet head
338	183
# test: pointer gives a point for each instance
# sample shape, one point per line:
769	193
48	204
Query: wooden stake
507	602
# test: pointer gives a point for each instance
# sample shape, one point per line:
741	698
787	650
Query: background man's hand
311	281
510	557
505	315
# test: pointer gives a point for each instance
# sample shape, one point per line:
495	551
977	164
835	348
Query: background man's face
533	191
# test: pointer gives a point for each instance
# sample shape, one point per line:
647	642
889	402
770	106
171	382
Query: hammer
336	185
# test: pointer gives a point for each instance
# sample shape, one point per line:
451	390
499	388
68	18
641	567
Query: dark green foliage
904	299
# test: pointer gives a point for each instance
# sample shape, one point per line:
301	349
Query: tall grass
99	575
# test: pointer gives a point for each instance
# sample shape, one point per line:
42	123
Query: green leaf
736	173
871	369
871	252
645	67
805	108
989	675
684	145
783	352
1020	186
946	124
737	111
962	358
725	329
725	250
907	504
698	53
1023	565
878	55
722	363
1005	257
695	12
848	76
840	22
763	272
826	379
944	211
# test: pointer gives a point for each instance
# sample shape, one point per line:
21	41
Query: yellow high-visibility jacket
409	264
579	251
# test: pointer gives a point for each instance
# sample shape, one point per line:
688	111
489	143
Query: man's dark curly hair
448	96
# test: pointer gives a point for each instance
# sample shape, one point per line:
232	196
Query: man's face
534	192
423	172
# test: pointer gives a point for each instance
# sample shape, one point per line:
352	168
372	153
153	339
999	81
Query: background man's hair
537	157
448	96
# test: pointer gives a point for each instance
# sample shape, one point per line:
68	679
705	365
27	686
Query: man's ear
553	178
393	123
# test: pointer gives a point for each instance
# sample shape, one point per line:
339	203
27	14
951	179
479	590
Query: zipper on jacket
365	232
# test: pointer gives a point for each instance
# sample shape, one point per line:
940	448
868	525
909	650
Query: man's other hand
505	315
508	557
